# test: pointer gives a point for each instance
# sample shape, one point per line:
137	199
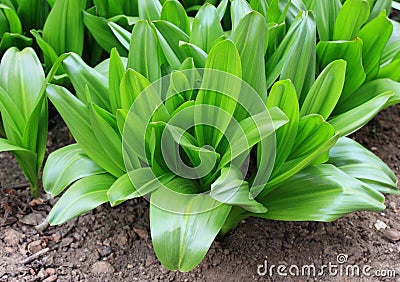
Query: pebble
392	234
102	267
106	251
32	219
379	225
12	237
35	246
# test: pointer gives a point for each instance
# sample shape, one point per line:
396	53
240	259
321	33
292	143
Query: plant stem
34	189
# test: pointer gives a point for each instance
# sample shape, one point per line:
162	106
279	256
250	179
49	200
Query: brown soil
113	244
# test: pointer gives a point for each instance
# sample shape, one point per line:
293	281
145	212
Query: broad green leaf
390	71
295	57
206	29
283	95
82	76
143	53
230	188
22	77
169	37
132	84
116	72
183	229
351	52
325	14
251	49
174	13
352	120
108	136
371	90
76	116
239	9
221	9
65	166
64	28
121	34
145	181
326	90
48	51
7	146
357	161
102	33
149	10
350	19
320	193
198	55
314	139
223	57
84	195
374	35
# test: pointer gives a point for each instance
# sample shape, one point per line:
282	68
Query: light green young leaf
84	195
224	57
102	33
149	10
350	19
82	76
206	29
283	95
374	35
76	116
320	193
351	52
181	239
325	14
121	34
231	189
174	13
143	54
169	37
326	90
357	161
352	120
64	28
239	9
65	166
251	48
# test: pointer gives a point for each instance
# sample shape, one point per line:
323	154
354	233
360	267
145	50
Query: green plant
23	107
12	28
182	116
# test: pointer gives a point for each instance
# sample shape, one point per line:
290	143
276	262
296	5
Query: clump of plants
217	112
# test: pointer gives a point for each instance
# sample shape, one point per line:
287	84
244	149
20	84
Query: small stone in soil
379	224
35	246
106	251
51	278
102	267
32	219
392	234
12	237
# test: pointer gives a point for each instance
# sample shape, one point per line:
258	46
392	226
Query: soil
113	244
